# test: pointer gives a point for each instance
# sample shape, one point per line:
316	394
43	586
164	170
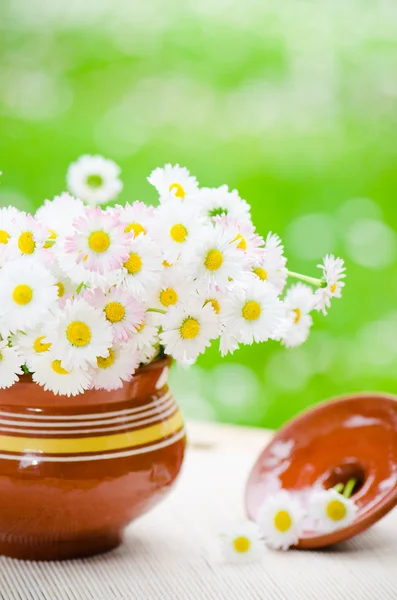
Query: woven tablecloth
168	553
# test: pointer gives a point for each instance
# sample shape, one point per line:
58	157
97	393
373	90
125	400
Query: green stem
306	278
339	487
349	487
156	310
80	287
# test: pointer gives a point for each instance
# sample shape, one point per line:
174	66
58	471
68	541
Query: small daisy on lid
94	179
241	543
280	520
173	182
331	510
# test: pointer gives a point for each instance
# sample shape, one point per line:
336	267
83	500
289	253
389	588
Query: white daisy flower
146	336
27	294
51	373
66	287
174	227
333	272
116	368
57	216
244	234
171	289
214	259
79	333
280	520
7	219
298	303
252	314
241	543
94	179
148	354
136	217
271	266
173	182
27	238
98	242
122	310
188	329
30	343
143	266
330	510
10	365
211	295
216	202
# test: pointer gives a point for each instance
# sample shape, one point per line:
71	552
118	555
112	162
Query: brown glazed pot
75	471
353	436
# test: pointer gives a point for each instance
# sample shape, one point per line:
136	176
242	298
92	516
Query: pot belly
70	483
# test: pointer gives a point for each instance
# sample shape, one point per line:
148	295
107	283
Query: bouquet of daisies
87	294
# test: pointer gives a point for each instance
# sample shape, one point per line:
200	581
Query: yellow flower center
39	346
251	310
332	289
99	241
133	264
94	181
241	544
178	233
336	510
51	238
282	521
298	314
136	228
78	334
213	260
166	264
115	312
105	363
215	304
61	289
4	236
190	328
242	245
168	297
57	367
26	243
261	273
140	327
178	189
22	294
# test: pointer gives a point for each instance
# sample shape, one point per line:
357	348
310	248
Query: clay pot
74	472
354	436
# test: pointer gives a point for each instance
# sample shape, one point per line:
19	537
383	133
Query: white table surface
168	553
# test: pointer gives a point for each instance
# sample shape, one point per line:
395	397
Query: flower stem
339	487
349	487
306	278
156	310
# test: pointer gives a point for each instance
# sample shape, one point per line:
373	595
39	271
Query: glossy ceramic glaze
75	471
354	436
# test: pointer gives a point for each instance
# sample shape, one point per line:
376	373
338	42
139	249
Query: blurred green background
292	103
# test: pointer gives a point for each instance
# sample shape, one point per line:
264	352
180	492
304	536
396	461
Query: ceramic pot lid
353	436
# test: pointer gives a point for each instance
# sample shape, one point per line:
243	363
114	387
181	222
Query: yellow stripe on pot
119	441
